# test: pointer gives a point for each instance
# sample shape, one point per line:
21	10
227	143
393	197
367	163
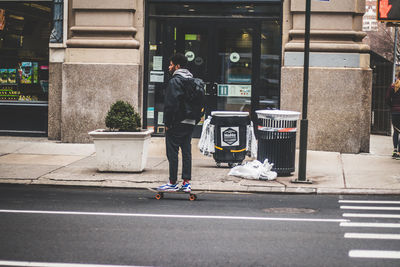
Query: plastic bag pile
207	142
255	170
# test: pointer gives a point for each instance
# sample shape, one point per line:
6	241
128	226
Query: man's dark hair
179	59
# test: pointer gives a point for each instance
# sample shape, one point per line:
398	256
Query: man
178	129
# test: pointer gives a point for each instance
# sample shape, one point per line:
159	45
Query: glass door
234	68
196	43
194	40
233	58
222	57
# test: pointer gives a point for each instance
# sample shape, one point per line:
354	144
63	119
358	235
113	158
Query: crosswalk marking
372	236
366	224
369	201
372	205
369	208
376	254
372	215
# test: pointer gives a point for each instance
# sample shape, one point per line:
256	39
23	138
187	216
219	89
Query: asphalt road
42	226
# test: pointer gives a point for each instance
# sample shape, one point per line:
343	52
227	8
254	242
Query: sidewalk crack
343	173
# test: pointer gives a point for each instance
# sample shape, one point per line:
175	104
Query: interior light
191	9
16	17
41	7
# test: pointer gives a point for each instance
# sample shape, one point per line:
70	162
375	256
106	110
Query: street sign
388	10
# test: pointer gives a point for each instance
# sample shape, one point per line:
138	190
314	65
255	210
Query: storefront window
270	65
24	36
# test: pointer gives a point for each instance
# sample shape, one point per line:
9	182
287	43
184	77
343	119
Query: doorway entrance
238	59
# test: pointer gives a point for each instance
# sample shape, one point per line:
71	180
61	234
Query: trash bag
254	170
206	143
251	142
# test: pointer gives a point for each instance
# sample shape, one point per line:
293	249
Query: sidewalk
40	161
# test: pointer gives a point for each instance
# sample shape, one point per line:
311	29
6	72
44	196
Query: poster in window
25	72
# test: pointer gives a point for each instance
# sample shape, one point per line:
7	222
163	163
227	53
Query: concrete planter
121	151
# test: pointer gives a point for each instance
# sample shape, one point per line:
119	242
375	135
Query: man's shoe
168	187
396	155
187	188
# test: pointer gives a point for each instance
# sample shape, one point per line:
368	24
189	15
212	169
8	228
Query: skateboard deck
160	194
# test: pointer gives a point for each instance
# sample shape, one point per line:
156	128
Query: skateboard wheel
218	164
192	197
159	196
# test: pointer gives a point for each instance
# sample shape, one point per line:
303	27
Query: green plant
123	117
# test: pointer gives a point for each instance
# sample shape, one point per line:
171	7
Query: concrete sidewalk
40	161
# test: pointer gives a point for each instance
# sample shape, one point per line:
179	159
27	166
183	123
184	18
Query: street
83	226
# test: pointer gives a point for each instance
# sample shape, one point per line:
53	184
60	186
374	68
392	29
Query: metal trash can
276	133
230	136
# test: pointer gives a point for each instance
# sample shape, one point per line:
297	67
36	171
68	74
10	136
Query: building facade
249	53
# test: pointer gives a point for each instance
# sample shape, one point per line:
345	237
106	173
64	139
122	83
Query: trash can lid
278	114
230	113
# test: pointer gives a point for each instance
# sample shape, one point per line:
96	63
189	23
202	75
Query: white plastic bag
206	142
254	170
251	141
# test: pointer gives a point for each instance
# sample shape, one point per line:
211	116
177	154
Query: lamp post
302	177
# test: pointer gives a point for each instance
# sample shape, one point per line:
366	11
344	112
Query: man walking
178	128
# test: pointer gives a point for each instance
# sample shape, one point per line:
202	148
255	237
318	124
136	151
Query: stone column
56	58
339	100
102	64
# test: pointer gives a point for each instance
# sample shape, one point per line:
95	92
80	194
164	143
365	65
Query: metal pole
302	178
395	53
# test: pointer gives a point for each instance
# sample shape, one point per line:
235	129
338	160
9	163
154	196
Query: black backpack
194	100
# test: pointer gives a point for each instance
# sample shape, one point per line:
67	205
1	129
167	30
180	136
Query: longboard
160	194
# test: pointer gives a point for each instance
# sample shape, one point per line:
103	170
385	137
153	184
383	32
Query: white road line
52	264
368	208
171	216
369	201
372	236
379	225
376	254
372	215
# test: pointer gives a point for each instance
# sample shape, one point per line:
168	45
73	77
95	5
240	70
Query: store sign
229	136
156	76
237	90
189	55
198	61
234	57
388	10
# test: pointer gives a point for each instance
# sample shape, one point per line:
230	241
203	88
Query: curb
269	189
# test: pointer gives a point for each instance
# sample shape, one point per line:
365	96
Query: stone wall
101	63
340	80
339	106
88	92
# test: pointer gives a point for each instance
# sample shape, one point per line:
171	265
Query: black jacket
393	99
174	111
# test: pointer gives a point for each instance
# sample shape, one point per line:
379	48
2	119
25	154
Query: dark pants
396	128
179	137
